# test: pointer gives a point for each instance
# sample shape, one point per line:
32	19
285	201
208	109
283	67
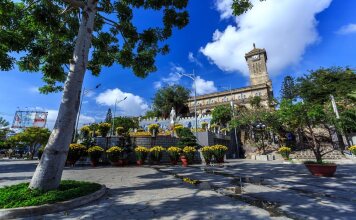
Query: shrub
186	138
95	152
153	127
174	153
115	153
208	153
219	152
75	152
120	130
85	131
141	153
104	128
156	153
189	153
353	149
40	151
284	151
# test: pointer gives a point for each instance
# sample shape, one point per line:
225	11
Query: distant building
260	85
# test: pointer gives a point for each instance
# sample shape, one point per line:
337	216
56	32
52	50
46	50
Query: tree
3	122
186	138
108	117
255	102
45	32
175	96
32	137
288	90
221	115
320	84
126	122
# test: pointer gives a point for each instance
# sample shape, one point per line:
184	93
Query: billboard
25	119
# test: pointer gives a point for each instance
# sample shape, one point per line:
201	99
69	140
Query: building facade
260	85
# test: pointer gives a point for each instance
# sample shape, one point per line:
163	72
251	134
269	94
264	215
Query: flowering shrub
219	152
75	152
104	128
153	127
174	153
141	153
120	130
156	153
95	152
204	125
191	181
189	152
115	153
208	153
85	131
284	151
353	149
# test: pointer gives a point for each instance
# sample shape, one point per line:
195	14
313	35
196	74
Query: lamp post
113	118
193	77
84	92
259	126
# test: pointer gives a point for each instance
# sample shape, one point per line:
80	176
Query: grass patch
20	195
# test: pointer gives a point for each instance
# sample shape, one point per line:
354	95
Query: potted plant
214	127
153	129
115	155
312	121
187	155
95	154
204	125
156	154
224	131
104	129
120	130
284	151
74	153
219	152
141	154
174	154
208	154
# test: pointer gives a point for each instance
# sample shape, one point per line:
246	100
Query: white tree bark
49	171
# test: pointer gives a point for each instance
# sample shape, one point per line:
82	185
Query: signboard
25	119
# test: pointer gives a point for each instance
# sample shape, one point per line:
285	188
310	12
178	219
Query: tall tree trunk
49	171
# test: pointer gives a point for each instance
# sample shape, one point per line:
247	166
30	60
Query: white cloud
285	28
347	29
204	86
172	78
52	117
34	89
193	59
133	105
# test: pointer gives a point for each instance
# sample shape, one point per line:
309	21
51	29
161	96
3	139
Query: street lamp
259	126
193	77
84	92
113	118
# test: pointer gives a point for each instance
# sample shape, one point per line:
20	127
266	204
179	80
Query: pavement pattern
141	193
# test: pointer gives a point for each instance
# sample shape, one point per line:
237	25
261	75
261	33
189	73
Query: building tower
256	61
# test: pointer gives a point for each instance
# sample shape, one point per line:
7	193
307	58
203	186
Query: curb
32	211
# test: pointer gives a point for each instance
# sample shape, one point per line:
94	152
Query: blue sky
298	36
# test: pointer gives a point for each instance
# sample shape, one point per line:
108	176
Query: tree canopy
175	96
289	89
221	114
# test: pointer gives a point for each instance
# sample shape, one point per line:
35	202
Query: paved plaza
272	190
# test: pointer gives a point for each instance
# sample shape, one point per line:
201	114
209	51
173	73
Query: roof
256	51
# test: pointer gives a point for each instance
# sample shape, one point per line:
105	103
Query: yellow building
260	85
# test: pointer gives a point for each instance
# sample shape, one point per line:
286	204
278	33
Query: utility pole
113	118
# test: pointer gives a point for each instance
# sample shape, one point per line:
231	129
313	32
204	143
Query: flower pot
325	170
220	160
184	161
94	161
139	162
118	163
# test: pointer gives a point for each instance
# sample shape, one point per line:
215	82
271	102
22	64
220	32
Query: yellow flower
141	149
157	149
188	150
77	147
174	149
115	149
95	149
284	149
219	147
206	149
